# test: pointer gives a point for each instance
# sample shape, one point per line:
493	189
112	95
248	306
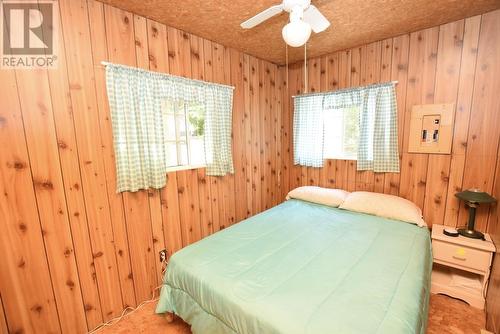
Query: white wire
129	308
286	53
306	79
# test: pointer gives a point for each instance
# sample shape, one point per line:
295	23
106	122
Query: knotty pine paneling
74	252
21	241
94	252
493	297
452	63
3	321
490	122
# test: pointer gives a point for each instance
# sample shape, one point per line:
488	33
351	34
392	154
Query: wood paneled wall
493	298
75	253
456	63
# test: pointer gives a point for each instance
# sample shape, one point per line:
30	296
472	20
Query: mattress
303	268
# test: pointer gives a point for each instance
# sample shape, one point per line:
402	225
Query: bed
302	268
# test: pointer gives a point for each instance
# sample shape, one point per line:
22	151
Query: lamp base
470	233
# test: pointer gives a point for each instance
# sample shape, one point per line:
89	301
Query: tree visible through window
341	133
185	130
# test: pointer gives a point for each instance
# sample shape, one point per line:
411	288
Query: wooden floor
446	316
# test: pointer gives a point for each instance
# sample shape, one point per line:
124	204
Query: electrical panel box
431	128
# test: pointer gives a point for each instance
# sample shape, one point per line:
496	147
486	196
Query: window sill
337	158
184	167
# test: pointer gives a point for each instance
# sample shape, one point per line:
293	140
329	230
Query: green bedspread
303	268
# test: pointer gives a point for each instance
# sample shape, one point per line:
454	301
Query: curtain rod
106	63
346	89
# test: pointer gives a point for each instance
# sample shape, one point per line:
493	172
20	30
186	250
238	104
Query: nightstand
461	266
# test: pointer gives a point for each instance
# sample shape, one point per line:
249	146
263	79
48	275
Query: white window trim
184	167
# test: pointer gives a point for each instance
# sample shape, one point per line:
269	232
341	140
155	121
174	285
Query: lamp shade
475	196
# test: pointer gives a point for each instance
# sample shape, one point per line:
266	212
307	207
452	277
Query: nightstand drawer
460	255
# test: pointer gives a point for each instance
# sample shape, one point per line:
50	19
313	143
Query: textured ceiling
353	22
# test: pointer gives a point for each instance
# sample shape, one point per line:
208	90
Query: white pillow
382	205
325	196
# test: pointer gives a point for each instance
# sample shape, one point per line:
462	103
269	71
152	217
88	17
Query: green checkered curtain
344	98
378	129
378	126
135	98
308	130
217	140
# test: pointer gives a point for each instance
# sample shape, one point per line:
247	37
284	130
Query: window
184	134
341	133
359	123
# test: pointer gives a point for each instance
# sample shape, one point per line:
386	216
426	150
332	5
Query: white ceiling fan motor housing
289	5
304	17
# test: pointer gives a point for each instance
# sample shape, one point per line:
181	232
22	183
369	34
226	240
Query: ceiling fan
304	17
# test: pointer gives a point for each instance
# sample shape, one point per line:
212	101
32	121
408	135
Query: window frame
178	141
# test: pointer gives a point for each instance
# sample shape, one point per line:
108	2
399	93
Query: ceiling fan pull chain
286	54
305	69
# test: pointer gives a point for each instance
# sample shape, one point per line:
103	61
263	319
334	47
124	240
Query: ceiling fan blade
262	16
314	17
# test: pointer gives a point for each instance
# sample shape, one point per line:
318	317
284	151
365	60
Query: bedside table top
486	245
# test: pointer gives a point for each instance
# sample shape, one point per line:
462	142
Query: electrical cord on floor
130	308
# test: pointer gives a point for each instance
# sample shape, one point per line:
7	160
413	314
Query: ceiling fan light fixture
304	18
296	33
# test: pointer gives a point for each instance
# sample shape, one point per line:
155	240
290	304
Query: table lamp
472	198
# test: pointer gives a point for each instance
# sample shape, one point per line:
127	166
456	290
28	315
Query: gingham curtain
308	131
378	126
135	99
217	139
378	129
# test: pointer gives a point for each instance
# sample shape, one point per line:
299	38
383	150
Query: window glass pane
341	133
183	153
169	123
196	119
351	132
179	107
184	131
333	133
168	106
197	151
171	152
196	128
181	126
